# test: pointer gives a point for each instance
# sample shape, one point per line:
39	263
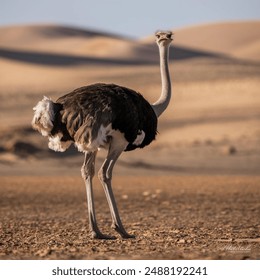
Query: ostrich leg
105	176
87	172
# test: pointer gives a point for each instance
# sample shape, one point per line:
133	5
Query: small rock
43	252
21	148
146	193
166	203
229	150
196	142
182	241
73	250
209	142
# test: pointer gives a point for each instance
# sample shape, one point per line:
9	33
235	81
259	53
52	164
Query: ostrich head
163	38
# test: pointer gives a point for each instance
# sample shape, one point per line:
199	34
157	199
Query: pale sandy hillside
235	39
61	40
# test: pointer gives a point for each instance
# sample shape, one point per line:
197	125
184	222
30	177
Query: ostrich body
104	116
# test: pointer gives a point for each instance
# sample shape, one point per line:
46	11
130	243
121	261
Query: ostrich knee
105	173
88	170
87	173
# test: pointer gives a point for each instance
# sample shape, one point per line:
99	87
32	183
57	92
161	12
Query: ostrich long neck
161	104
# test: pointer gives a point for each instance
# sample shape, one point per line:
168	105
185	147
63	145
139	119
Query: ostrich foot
122	232
99	235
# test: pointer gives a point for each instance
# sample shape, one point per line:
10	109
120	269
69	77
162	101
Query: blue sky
134	18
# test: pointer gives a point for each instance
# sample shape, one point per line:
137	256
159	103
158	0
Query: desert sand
192	194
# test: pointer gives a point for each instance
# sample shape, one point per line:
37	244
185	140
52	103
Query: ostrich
105	116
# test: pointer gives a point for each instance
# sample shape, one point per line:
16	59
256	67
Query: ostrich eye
169	36
157	36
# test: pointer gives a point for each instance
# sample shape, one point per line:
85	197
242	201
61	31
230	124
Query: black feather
83	110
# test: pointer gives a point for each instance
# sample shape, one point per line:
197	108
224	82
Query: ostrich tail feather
44	116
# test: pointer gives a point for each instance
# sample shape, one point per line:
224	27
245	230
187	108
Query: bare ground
173	217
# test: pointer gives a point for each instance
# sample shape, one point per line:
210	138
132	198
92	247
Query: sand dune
35	35
53	44
235	39
68	41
